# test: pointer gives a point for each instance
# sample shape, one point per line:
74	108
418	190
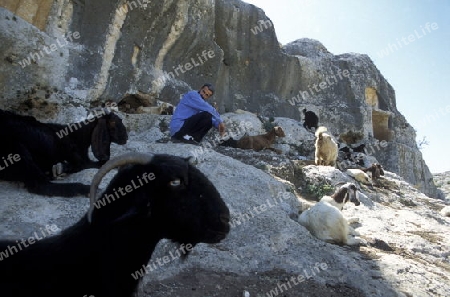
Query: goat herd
96	255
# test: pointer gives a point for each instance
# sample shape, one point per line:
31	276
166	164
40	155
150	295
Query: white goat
358	175
446	211
326	148
325	220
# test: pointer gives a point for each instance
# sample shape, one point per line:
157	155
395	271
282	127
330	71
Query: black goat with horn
98	255
38	147
311	120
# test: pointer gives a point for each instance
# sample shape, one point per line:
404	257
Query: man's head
206	91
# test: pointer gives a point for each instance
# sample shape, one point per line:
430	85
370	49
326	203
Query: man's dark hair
210	87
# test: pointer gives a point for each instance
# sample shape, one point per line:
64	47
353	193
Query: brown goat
257	142
376	171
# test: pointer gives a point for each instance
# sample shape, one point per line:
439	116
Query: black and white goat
38	147
169	198
325	220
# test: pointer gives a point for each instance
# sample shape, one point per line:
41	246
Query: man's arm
195	101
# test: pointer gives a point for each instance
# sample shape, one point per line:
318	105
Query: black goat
97	256
311	120
360	148
353	154
39	146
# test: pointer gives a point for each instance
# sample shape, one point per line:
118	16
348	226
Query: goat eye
175	182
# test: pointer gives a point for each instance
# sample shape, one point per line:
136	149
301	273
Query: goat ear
119	213
100	219
191	160
341	196
101	140
381	169
130	213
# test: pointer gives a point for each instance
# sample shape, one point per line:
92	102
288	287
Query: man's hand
221	129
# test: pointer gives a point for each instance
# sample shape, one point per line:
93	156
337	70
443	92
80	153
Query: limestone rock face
306	47
93	51
407	246
442	181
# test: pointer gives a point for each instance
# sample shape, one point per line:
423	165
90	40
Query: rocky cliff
87	52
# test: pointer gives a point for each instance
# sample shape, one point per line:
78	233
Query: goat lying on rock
325	220
257	142
326	148
169	198
42	145
163	109
358	175
375	171
445	211
366	175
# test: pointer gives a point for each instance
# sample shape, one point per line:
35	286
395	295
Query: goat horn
129	158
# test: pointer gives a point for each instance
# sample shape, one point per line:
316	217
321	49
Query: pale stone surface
408	247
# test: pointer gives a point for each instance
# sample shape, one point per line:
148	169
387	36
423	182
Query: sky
409	42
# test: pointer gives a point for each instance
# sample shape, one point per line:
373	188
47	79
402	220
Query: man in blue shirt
194	117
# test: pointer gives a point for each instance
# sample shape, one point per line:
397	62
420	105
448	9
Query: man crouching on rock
194	117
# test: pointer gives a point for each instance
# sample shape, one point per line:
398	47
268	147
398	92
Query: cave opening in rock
380	118
380	122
